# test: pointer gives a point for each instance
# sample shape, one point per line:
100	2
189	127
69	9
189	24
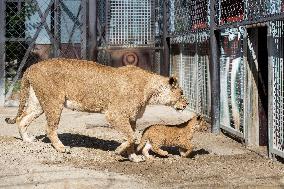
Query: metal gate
37	30
276	83
188	29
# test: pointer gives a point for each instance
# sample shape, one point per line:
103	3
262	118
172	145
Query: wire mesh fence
130	23
190	63
246	12
277	88
38	30
188	16
240	53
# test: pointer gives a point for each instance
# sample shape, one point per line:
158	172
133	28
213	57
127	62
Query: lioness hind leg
53	118
24	123
55	141
33	110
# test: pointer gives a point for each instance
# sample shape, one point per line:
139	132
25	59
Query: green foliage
16	88
16	15
15	18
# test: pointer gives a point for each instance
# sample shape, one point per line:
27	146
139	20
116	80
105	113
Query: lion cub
180	136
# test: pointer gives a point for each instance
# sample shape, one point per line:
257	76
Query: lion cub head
199	122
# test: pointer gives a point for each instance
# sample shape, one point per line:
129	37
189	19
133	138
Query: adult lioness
121	93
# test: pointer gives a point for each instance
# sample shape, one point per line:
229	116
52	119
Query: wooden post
215	71
165	65
2	52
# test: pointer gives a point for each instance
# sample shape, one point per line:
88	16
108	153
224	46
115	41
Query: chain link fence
189	31
244	29
38	30
190	63
276	121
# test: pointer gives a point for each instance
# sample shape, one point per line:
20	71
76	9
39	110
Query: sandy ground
217	161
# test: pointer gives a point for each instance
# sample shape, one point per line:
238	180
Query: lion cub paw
134	158
29	139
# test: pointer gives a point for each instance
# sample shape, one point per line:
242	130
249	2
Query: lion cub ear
173	81
199	117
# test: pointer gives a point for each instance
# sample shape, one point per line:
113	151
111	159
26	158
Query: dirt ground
217	161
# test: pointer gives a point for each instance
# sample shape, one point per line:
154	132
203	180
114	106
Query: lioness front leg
189	149
123	125
125	128
182	151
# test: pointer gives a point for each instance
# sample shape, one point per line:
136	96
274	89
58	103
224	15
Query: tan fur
156	136
121	93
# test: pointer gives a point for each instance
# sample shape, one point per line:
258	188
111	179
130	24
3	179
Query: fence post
214	69
166	43
2	52
84	28
92	30
55	25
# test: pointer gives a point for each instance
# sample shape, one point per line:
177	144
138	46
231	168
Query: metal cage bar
2	52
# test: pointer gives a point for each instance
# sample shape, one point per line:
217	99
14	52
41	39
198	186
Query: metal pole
214	69
107	20
56	28
93	30
166	43
2	52
84	24
270	44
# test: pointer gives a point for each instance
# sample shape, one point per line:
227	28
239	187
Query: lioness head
170	94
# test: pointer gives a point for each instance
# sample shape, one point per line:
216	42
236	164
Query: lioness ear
173	81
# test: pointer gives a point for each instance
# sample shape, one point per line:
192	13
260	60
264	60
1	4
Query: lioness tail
25	86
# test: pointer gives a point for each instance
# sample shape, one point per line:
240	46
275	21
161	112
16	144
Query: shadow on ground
78	140
175	151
